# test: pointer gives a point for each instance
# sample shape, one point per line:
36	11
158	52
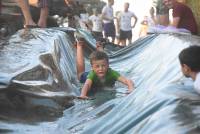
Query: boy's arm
85	89
127	82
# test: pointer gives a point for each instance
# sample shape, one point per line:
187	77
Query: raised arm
127	82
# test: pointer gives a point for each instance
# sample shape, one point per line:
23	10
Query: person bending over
182	16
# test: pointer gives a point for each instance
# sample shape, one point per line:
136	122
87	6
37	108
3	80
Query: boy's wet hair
98	55
191	57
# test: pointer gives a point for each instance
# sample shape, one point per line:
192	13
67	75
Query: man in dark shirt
182	16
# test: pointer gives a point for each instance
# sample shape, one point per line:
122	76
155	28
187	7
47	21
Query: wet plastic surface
39	75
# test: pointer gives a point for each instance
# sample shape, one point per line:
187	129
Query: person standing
108	20
125	24
97	24
182	16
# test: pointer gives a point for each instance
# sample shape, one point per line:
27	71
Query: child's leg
80	59
26	12
44	12
43	17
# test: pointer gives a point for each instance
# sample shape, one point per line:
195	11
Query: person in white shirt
124	22
190	64
96	23
108	20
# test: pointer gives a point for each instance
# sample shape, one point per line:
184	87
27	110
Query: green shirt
109	80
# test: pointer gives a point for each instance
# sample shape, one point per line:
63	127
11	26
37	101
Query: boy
190	64
100	75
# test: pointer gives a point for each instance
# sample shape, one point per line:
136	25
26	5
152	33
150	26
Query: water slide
39	87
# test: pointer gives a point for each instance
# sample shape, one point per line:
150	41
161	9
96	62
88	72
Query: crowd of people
102	25
117	27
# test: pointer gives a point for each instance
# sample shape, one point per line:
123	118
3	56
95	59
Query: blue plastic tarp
163	101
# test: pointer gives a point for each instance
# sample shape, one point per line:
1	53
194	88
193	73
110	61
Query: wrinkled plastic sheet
37	78
164	101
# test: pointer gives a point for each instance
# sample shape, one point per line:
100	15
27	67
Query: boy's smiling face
100	67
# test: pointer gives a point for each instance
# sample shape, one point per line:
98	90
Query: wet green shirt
108	81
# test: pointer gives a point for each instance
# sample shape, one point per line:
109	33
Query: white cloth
97	23
197	83
125	20
108	11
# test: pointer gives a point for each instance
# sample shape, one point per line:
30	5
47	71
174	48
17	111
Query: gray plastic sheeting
37	80
164	101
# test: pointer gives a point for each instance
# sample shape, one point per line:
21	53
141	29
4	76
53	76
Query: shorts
44	3
125	35
83	77
109	29
97	35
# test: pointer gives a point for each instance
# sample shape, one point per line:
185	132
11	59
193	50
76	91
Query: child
190	64
144	27
100	75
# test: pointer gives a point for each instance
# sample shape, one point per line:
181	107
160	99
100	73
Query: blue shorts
83	77
109	29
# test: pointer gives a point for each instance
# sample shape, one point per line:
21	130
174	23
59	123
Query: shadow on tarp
163	101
